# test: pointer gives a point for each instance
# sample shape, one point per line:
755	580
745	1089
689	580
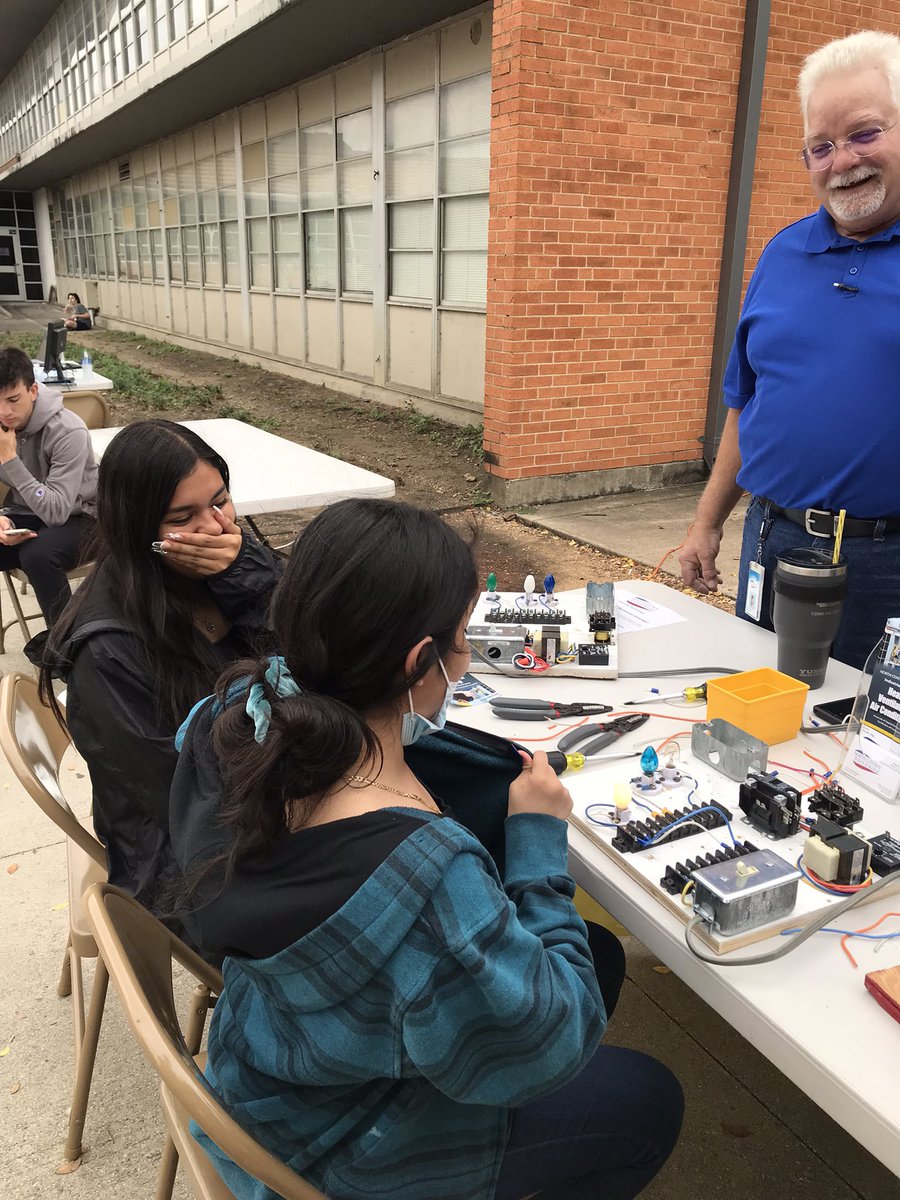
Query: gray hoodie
54	476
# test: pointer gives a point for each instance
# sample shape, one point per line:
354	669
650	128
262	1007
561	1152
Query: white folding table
96	383
808	1013
271	474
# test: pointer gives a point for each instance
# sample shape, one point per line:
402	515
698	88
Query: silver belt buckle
812	513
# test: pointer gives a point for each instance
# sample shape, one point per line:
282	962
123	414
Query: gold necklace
357	780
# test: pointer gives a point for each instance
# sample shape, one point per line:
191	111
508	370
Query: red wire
867	929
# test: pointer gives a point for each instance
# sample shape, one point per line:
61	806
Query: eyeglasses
862	143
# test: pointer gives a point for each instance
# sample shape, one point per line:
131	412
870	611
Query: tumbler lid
812	563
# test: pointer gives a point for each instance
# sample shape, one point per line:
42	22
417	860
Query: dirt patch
433	464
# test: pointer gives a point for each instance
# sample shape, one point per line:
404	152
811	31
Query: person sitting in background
47	462
75	315
404	1013
177	593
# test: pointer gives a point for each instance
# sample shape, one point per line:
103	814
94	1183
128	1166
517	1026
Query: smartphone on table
834	712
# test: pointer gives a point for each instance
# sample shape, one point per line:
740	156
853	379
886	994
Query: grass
142	387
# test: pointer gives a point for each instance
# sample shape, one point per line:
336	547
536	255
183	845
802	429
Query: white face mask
416	726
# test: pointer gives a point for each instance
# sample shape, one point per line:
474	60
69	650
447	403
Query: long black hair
138	475
366	581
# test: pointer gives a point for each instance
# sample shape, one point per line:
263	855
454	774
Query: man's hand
8	448
538	790
14	539
698	560
202	554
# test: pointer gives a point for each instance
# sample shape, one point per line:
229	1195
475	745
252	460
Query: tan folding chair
90	406
34	744
138	951
94	411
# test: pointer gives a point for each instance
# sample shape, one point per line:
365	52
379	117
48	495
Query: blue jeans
873	580
606	1133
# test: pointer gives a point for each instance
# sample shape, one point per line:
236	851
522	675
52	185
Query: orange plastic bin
763	703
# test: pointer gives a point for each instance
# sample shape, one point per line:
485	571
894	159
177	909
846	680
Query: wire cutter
509	708
601	735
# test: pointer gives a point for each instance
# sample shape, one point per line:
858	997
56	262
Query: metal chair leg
64	987
17	605
84	1066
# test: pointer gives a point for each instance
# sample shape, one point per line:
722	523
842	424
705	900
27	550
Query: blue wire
595	821
869	937
685	775
690	817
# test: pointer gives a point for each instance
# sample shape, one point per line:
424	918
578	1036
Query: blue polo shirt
815	371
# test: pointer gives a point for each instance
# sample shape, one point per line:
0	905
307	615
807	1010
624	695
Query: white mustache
854	175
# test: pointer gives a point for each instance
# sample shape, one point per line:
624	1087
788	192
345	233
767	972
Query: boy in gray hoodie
47	462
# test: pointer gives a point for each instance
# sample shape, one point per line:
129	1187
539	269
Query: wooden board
648	866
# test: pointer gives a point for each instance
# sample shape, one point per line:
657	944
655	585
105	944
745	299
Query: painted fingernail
157	547
217	509
173	537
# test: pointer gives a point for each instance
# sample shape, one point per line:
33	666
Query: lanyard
767	522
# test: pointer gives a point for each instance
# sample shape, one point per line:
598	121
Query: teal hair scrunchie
258	709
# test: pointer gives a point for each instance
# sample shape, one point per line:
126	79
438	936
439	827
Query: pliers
509	708
601	735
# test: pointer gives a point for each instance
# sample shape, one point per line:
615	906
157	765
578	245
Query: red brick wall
610	149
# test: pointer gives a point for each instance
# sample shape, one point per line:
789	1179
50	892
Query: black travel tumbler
807	598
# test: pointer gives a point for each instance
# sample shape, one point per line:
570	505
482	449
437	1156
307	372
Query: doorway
12	280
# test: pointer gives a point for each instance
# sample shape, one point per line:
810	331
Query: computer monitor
53	347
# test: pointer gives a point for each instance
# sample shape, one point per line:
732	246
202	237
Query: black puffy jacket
112	715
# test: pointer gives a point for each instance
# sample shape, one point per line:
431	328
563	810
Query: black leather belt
822	522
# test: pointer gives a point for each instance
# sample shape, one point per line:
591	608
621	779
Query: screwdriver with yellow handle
689	693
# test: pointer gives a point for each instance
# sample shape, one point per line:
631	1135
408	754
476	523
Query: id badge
756	575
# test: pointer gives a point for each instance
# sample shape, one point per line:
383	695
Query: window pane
412	226
355	181
317	188
464	165
260	271
156	250
225	171
284	194
282	154
212	262
321	264
173	242
209	205
191	242
464	277
466	106
231	254
410	121
354	134
412	275
286	235
258	237
316	145
410	174
254	160
287	273
144	259
356	250
465	223
256	198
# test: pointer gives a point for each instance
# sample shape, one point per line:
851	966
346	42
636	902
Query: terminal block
770	804
536	615
636	835
678	877
831	801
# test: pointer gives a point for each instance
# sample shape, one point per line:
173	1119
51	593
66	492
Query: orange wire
672	551
867	929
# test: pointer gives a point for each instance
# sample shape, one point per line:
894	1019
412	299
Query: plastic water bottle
87	367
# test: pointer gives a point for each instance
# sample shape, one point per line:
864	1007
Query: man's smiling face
862	194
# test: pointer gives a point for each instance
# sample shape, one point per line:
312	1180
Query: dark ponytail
367	580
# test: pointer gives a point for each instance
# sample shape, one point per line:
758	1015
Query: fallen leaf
60	907
67	1168
15	1087
661	970
5	1051
12	868
469	478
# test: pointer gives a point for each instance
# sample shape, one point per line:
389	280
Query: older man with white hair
813	382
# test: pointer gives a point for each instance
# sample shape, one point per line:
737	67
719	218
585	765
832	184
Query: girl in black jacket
177	594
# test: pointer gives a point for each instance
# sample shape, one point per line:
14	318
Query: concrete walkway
748	1134
641	526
